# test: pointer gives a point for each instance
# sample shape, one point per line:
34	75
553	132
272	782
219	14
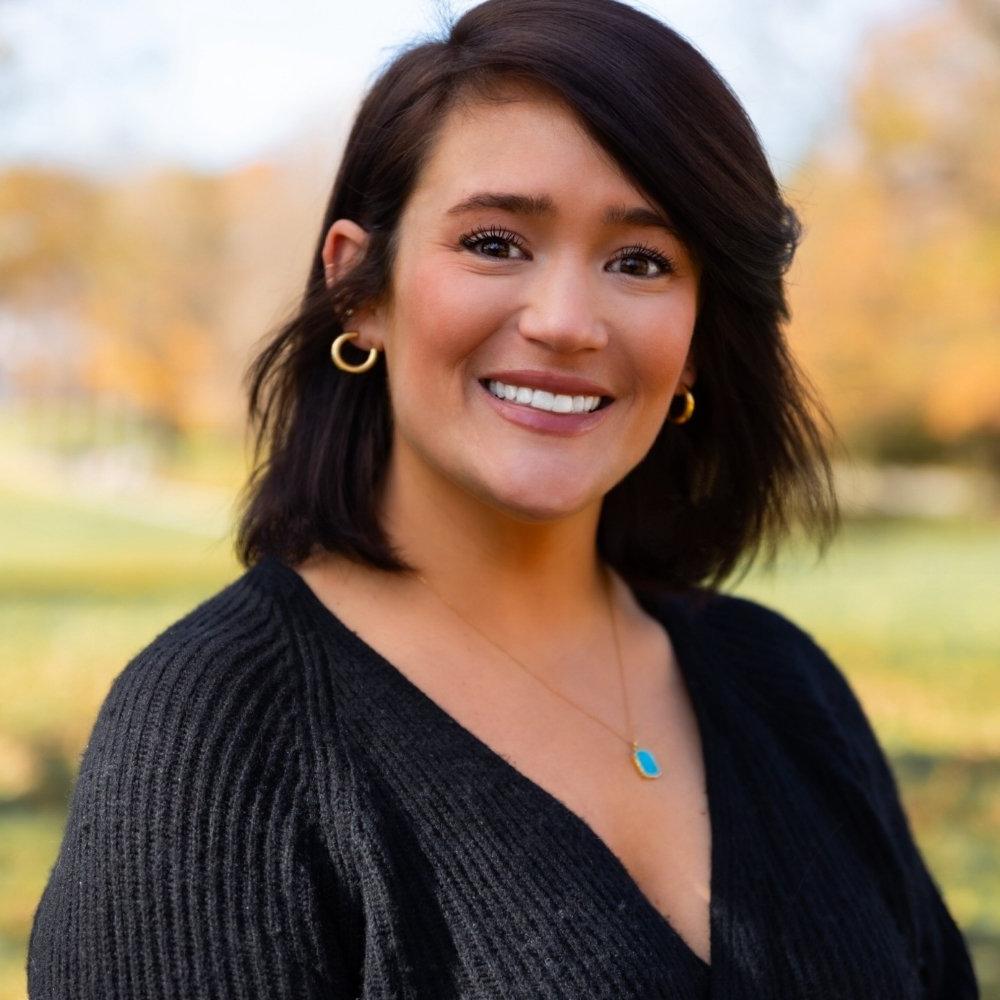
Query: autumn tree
895	288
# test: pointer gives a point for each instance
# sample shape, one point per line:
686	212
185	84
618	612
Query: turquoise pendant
645	762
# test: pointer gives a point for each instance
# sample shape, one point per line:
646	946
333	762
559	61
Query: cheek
445	319
660	350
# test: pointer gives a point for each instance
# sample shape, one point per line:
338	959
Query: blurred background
163	169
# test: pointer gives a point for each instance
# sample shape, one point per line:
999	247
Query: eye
641	262
493	241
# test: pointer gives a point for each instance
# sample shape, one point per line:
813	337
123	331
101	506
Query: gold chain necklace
643	759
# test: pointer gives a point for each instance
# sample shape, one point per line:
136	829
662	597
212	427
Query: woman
476	722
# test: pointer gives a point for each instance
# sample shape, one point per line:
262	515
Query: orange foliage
896	288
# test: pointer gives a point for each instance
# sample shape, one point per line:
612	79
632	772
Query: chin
536	505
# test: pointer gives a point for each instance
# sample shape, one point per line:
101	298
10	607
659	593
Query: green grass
903	607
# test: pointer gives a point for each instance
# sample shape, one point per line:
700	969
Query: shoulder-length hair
711	494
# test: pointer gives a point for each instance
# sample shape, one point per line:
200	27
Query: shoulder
773	665
204	721
192	837
745	620
216	682
234	636
760	639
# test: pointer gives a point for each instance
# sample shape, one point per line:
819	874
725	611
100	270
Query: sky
110	86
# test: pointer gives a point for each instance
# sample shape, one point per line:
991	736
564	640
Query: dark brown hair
709	495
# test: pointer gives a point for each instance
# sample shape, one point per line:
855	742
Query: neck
518	576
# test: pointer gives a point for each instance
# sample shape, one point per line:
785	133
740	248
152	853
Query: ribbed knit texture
267	808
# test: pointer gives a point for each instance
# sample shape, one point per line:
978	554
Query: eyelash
665	264
477	237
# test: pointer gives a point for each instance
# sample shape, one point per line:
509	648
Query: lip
541	421
567	385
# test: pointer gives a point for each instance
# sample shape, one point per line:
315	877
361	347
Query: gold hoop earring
346	366
685	415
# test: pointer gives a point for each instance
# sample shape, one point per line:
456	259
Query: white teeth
540	399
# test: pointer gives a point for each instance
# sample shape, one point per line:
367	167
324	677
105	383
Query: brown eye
641	262
500	244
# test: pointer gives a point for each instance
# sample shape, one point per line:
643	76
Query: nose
562	310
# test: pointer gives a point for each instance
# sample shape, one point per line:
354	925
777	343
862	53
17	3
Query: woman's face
525	257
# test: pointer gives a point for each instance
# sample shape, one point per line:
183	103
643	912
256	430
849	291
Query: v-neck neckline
663	608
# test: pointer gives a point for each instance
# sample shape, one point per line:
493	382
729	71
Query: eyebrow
536	205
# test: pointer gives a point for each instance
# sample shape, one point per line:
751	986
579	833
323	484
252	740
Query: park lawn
903	607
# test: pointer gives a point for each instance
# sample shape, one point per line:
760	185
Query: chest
498	820
658	829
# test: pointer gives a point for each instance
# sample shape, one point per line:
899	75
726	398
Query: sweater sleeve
190	866
944	964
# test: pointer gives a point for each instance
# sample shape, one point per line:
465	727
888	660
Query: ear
345	242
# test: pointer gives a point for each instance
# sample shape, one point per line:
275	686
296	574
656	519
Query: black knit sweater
267	808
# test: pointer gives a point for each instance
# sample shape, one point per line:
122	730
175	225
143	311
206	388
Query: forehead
520	140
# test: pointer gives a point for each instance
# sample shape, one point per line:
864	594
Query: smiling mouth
544	400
